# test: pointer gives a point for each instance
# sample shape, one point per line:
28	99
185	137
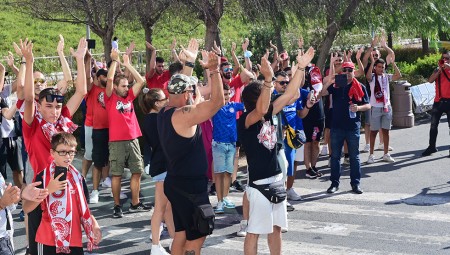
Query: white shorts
88	142
264	214
283	163
300	154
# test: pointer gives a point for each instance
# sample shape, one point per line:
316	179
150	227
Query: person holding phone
441	78
68	195
348	101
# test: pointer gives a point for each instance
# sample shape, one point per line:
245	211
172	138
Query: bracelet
189	64
306	106
269	87
23	62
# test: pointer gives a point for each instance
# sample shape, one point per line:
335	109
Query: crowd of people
277	111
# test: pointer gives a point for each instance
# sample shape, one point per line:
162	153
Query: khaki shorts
125	154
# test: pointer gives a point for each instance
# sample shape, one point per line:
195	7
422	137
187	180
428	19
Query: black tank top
186	157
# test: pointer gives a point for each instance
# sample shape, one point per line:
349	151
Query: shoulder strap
286	123
192	198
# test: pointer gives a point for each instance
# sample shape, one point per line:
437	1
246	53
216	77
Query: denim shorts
159	177
6	246
223	157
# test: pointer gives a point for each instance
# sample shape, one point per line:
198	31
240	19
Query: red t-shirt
37	145
123	124
89	108
100	120
21	106
159	81
236	87
445	86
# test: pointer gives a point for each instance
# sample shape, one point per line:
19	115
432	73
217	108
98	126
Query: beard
227	76
103	83
189	101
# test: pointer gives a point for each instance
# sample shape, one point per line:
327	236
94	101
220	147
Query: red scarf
63	124
356	91
59	207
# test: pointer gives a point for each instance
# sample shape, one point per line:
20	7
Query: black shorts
11	153
51	250
182	207
328	117
100	149
309	127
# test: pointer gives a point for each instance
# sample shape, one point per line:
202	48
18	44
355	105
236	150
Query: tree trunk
148	37
326	44
278	40
107	40
425	45
212	32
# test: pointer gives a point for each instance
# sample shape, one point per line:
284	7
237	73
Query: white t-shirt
7	126
115	45
384	83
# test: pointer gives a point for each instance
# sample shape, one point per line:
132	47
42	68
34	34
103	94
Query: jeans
436	113
6	247
338	136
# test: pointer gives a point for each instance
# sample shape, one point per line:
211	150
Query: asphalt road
404	209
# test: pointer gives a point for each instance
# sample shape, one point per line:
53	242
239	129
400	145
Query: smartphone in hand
59	170
341	80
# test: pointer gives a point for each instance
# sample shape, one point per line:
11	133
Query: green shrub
426	65
409	55
407	68
414	79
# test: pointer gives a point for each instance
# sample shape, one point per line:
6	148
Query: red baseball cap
348	64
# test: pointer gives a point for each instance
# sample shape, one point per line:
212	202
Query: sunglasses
39	80
283	83
64	153
50	98
446	58
226	70
347	70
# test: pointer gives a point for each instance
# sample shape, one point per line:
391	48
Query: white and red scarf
381	88
60	205
63	124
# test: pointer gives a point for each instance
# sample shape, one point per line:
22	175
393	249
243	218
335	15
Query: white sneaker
324	150
387	157
370	160
93	198
346	161
122	195
381	147
157	249
219	208
242	229
106	183
284	230
292	195
366	148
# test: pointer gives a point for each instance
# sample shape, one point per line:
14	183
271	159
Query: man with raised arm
156	76
124	132
181	141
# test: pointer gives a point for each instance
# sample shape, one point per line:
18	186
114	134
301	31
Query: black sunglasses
347	70
50	98
446	58
283	83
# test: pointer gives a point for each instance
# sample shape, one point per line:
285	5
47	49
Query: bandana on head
59	206
63	124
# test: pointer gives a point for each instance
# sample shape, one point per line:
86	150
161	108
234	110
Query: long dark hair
250	95
147	101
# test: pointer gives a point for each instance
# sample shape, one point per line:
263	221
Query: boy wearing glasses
65	211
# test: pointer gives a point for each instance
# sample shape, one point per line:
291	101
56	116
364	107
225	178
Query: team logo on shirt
124	108
231	110
101	99
232	92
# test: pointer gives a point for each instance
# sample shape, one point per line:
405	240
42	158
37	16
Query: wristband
189	64
248	54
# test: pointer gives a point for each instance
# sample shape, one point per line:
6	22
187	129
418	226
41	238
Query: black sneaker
319	173
212	190
117	211
429	151
238	186
139	208
310	173
289	207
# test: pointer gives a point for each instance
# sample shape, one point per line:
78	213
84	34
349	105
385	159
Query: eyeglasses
50	98
229	69
39	80
64	153
283	83
446	58
347	70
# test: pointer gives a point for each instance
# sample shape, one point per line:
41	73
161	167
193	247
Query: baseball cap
348	64
102	71
179	83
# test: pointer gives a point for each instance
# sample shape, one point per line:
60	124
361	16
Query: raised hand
374	41
150	46
81	50
173	45
359	53
265	68
192	50
115	55
233	47
60	48
333	57
275	48
10	59
26	49
126	59
372	59
204	60
2	68
130	49
304	60
31	193
300	42
17	49
348	56
213	61
245	44
216	49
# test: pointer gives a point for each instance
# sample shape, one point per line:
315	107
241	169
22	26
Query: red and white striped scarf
60	205
63	124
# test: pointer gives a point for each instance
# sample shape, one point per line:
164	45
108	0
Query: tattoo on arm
189	253
186	109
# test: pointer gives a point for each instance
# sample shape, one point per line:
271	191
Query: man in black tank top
181	141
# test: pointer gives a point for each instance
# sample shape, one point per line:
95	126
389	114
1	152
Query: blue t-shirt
341	117
224	123
290	111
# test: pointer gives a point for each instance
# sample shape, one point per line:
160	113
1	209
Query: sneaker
238	186
22	215
366	148
289	207
117	211
242	229
284	230
292	195
219	208
429	151
122	195
157	249
324	151
228	204
161	228
310	173
319	173
212	190
381	147
370	160
140	207
387	157
93	198
106	183
346	161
